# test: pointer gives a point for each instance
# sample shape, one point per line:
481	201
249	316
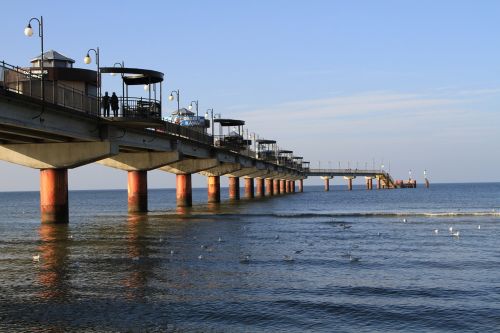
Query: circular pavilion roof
135	76
229	122
265	142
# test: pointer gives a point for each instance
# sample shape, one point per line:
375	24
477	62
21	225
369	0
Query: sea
404	260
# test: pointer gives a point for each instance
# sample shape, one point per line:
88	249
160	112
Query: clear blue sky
413	83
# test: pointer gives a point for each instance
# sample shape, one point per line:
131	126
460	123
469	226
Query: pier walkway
50	123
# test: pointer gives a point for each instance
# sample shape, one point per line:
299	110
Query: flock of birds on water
246	259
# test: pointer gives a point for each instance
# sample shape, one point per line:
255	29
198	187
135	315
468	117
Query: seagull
277	237
298	251
36	258
436	231
70	236
345	226
288	258
379	234
200	257
172	252
219	240
204	246
450	229
245	259
353	259
456	234
404	221
479	227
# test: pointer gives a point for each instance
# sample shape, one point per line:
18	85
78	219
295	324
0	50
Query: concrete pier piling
301	185
282	186
184	191
137	191
213	189
234	188
249	188
259	187
327	183
276	186
269	187
54	196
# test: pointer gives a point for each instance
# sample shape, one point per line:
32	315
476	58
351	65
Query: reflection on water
140	268
53	274
181	269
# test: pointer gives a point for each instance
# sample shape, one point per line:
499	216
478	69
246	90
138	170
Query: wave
347	214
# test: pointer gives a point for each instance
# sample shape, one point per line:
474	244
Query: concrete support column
327	183
379	183
249	190
292	183
184	190
349	183
259	187
287	186
282	186
369	183
276	186
301	185
234	188
213	189
269	187
54	195
137	191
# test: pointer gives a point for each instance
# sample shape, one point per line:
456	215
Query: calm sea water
354	264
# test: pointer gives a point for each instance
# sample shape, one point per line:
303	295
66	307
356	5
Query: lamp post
87	60
211	122
28	31
191	106
171	97
122	65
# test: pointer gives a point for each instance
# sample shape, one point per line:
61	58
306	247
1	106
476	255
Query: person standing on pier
114	104
105	104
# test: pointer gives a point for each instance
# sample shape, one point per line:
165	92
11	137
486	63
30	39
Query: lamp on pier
177	94
190	107
28	31
212	121
87	60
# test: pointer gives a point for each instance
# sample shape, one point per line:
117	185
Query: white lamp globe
190	107
28	31
146	87
87	59
171	97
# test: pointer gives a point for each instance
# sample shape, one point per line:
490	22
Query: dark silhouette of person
114	104
105	104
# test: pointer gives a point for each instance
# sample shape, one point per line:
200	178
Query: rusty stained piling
54	196
137	191
234	188
213	189
184	191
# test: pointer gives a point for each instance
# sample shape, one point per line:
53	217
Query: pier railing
28	82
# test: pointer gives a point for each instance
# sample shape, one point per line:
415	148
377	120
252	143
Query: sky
413	85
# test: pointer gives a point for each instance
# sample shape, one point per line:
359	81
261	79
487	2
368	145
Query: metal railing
188	133
28	83
139	108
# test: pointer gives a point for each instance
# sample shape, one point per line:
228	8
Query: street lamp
28	31
171	97
122	65
212	121
87	60
191	106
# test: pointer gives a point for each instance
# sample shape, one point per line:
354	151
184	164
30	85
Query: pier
53	118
